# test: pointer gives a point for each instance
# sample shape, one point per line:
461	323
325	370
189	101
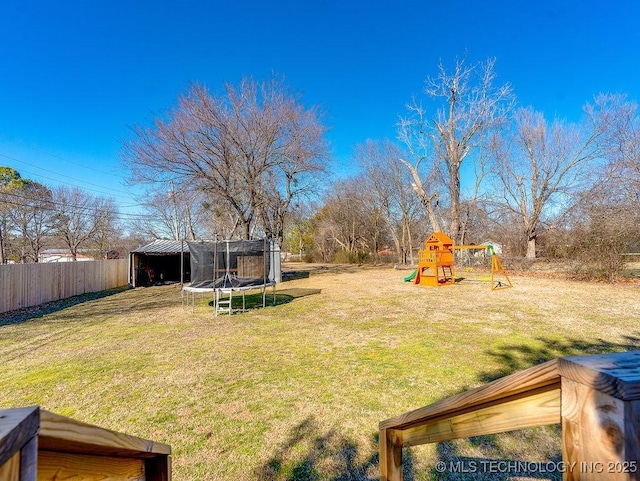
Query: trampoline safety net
230	263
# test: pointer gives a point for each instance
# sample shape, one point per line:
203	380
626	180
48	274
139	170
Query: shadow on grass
452	466
515	357
304	271
297	292
255	300
29	313
293	275
309	454
527	453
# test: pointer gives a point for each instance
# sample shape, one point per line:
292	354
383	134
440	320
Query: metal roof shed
158	262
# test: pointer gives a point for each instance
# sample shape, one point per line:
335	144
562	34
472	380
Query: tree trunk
454	192
425	198
3	252
246	226
531	246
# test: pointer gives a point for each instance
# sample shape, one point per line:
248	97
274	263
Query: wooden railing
36	444
596	398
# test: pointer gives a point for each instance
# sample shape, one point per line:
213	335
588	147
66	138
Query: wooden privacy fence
25	285
36	444
596	398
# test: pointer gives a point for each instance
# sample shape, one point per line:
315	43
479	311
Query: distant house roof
497	247
61	255
59	251
162	248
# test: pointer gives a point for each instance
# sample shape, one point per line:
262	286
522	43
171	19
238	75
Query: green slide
411	276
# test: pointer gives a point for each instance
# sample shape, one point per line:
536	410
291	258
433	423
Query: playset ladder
447	278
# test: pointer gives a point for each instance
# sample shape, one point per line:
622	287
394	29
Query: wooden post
29	460
18	443
36	444
601	417
390	442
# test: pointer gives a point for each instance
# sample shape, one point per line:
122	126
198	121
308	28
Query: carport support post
181	262
132	268
600	410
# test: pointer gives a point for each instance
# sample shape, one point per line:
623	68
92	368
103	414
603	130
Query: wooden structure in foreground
36	444
596	398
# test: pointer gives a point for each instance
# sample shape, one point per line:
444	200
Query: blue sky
75	75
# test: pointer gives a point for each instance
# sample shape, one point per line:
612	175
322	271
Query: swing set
441	259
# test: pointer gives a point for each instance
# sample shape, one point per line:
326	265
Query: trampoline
225	267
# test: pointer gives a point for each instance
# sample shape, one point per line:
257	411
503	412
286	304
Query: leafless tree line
479	168
250	161
33	216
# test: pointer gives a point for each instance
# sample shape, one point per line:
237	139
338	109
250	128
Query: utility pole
172	193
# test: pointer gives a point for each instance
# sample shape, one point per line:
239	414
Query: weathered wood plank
543	376
17	427
538	409
59	433
617	374
56	465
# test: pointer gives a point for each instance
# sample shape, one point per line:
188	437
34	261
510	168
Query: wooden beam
518	412
59	433
17	427
56	465
543	376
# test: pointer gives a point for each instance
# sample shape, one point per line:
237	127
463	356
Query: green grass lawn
296	390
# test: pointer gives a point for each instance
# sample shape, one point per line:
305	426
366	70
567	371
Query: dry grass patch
296	391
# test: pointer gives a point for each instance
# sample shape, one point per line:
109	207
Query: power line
73	207
74	163
67	177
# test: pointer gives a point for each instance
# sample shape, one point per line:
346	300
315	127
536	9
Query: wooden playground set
441	258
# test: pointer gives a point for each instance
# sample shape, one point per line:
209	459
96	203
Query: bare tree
175	213
386	184
79	217
349	225
604	223
542	164
31	216
624	149
472	108
300	231
252	150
